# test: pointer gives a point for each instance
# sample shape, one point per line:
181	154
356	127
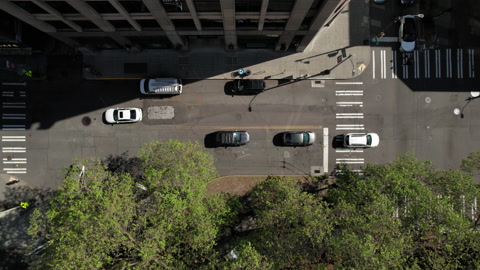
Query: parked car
361	140
248	87
298	138
123	115
407	33
161	86
231	138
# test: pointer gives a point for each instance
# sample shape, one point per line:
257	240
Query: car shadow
337	141
278	140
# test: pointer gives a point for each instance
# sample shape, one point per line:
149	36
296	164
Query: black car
228	138
248	87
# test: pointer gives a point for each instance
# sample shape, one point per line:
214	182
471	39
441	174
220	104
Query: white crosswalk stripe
13	138
471	63
349	115
350	160
349	103
15	170
14	160
350	127
460	63
349	92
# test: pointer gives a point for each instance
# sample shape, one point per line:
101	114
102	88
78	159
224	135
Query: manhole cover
86	121
428	100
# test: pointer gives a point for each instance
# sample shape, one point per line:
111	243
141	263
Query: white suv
361	140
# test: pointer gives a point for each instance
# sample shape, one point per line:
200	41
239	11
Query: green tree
291	224
105	220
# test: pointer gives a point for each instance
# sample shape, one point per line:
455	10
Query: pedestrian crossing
424	64
13	117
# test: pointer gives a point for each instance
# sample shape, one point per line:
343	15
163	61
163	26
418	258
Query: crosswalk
425	64
349	108
13	117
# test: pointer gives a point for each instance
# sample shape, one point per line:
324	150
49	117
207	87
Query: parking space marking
350	127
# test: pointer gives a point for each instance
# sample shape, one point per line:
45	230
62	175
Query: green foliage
102	220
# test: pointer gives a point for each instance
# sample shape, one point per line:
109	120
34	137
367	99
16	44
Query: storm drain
318	83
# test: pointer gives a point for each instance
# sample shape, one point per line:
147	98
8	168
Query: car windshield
369	140
236	137
296	138
133	114
240	85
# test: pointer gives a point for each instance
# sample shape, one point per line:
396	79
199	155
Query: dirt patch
240	185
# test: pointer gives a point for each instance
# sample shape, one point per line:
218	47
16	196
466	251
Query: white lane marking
14	105
14	149
348	83
350	160
373	62
13	127
460	63
427	63
13	138
348	151
349	115
15	170
383	64
471	63
394	65
448	56
405	65
416	64
438	65
325	149
350	127
15	161
349	92
13	116
349	103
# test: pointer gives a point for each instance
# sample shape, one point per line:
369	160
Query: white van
161	86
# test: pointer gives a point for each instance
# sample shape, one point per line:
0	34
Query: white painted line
427	63
373	63
383	63
14	149
350	160
13	138
394	64
348	151
348	83
15	161
405	65
349	103
350	127
460	63
13	127
448	56
14	105
358	171
325	150
471	63
416	64
12	83
349	115
349	92
13	116
15	170
438	64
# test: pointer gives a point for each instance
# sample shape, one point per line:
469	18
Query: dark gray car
231	138
298	138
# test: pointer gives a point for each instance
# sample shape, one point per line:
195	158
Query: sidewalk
337	52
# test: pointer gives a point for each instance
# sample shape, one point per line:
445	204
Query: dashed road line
350	127
349	92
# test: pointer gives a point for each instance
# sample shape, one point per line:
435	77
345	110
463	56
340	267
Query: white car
407	33
123	115
361	140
